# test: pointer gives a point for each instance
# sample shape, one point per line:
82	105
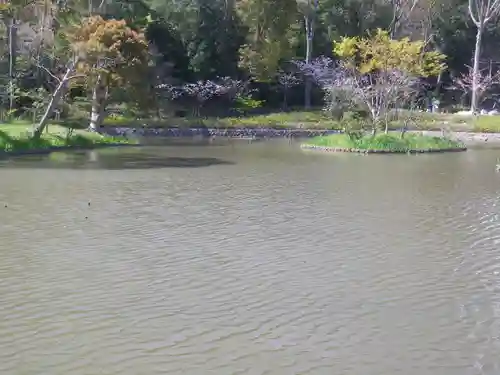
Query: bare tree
57	95
401	14
486	82
481	12
309	9
287	80
378	92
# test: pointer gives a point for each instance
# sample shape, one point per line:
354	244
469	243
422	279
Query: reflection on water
129	158
267	261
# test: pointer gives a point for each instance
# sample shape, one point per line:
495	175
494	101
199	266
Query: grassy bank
15	138
319	120
316	119
384	142
312	120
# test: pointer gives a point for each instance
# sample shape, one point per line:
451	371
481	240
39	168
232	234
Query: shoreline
257	132
45	151
466	137
327	149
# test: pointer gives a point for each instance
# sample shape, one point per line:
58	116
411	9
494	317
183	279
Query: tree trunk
99	98
476	70
309	42
375	119
11	37
285	98
54	101
12	30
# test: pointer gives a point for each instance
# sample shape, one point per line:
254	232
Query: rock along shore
216	132
362	151
469	138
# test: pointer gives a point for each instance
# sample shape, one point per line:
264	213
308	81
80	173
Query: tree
104	53
485	82
377	73
58	93
269	23
401	15
482	12
214	46
354	17
199	93
381	72
309	10
287	80
115	55
13	13
170	58
210	32
200	40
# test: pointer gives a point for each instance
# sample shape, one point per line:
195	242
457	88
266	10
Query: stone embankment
468	138
212	132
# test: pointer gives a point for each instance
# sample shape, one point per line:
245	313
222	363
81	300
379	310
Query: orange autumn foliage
111	49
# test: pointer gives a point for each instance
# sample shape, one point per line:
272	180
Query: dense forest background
252	42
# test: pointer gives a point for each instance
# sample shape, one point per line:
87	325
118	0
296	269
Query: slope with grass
383	143
316	119
17	139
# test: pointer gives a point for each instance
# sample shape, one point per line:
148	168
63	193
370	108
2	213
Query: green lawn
16	137
313	119
385	142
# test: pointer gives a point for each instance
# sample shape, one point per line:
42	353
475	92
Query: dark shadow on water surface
198	142
175	141
109	161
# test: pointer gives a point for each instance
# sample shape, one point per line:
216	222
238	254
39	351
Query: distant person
435	105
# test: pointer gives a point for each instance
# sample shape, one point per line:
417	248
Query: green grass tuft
15	139
385	142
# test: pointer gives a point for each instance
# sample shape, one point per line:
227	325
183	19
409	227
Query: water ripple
282	263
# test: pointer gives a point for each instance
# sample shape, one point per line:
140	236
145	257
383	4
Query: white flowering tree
200	92
485	84
287	80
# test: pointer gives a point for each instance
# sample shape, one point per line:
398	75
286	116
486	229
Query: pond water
239	258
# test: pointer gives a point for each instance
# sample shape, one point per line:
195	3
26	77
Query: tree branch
76	76
47	71
474	16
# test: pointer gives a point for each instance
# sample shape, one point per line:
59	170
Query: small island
383	144
376	77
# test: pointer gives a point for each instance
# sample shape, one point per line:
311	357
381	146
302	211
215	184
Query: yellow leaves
381	53
110	47
346	48
97	33
433	64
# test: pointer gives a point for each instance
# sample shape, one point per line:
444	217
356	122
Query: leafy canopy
112	48
380	53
